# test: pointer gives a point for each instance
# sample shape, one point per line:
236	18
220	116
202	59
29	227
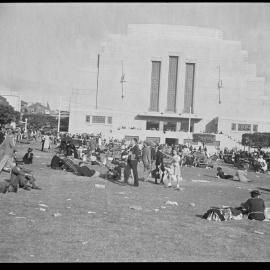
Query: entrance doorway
171	141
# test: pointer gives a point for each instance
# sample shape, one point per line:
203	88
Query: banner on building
204	138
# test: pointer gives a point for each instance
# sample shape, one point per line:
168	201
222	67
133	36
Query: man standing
146	159
132	163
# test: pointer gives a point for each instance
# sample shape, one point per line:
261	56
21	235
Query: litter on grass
135	207
91	212
42	209
99	186
68	199
163	207
258	232
12	213
192	204
200	181
57	215
171	203
42	205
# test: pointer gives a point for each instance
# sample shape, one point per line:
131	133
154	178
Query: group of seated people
20	177
64	163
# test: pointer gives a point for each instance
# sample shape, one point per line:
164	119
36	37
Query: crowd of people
161	162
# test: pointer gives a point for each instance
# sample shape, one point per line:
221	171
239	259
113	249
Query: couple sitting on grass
67	164
20	177
240	175
254	208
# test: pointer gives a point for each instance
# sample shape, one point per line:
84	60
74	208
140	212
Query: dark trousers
163	172
131	165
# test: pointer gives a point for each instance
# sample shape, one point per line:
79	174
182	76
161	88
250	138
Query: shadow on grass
114	181
211	176
264	189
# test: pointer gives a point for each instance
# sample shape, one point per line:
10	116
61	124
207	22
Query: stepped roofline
170	29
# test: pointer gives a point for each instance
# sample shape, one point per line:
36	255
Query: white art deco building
175	77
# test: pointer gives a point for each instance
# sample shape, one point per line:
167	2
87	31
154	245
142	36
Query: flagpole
97	82
59	116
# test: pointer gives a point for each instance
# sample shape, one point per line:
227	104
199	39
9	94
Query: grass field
98	224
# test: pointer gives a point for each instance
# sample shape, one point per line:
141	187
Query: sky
43	46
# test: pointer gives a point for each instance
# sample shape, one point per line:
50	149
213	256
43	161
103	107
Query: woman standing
176	170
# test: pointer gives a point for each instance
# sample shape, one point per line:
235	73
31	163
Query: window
169	126
155	84
109	120
172	83
255	128
87	118
152	125
189	88
97	119
233	126
244	127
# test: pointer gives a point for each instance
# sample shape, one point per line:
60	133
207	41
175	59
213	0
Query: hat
255	192
30	149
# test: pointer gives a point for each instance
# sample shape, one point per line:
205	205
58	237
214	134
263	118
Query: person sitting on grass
84	170
222	175
254	207
28	157
241	174
262	165
56	162
22	178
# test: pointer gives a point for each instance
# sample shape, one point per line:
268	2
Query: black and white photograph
134	132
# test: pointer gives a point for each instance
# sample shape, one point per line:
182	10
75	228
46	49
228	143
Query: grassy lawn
98	224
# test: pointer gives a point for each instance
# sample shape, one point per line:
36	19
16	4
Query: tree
8	114
38	121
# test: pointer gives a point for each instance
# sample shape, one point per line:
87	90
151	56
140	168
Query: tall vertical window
172	83
155	84
189	88
87	118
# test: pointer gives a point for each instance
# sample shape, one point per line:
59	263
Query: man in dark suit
132	163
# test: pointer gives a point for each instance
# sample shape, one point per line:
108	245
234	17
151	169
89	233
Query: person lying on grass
222	175
21	178
254	207
81	170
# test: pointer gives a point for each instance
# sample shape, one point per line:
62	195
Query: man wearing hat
254	206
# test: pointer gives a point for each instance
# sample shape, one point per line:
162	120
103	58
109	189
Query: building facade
166	80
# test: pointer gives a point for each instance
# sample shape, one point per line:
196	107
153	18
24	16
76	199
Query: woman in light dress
47	142
175	170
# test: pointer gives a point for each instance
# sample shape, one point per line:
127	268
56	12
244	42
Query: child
222	175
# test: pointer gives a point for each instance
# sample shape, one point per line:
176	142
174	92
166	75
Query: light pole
219	85
59	116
